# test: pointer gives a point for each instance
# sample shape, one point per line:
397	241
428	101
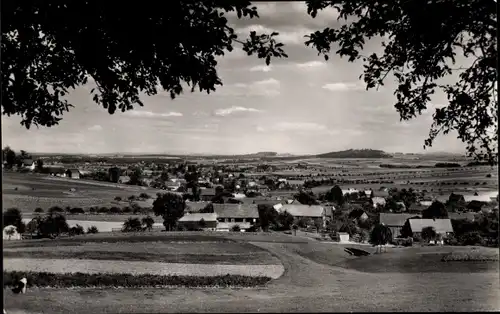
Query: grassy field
318	277
35	190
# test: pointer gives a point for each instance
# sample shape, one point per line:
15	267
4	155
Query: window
232	219
239	220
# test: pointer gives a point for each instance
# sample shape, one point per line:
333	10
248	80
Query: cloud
233	110
311	65
268	87
340	87
150	114
261	68
291	36
294	126
96	127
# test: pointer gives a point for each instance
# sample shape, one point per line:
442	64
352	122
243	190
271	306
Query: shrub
92	229
76	230
38	210
136	208
131	198
69	280
118	198
115	210
127	209
144	195
55	209
471	238
77	210
236	228
488	175
132	225
103	210
93	209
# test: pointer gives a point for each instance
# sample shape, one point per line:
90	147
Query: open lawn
311	282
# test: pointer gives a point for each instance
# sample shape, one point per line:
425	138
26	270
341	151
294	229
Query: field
317	277
42	191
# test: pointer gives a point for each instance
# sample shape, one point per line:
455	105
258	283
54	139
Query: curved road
306	286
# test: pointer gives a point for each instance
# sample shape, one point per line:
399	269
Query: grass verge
470	257
67	280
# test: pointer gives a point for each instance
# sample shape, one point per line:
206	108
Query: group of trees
11	159
51	225
135	224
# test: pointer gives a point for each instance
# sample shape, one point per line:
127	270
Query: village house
207	194
307	211
73	173
443	227
378	201
28	164
195	221
467	216
394	222
10	233
229	215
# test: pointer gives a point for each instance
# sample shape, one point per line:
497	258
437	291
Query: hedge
44	279
470	257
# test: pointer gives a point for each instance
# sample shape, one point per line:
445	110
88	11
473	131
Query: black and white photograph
249	156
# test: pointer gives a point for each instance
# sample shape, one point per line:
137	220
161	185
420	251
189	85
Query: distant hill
356	153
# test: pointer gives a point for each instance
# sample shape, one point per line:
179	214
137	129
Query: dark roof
236	210
52	169
356	213
458	216
394	220
475	204
265	202
456	197
207	192
73	170
440	225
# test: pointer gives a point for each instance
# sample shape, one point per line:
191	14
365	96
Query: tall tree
14	217
171	207
379	236
436	210
306	198
428	234
336	195
9	156
44	57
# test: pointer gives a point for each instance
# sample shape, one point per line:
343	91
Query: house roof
265	202
303	210
394	220
73	170
236	210
378	200
196	206
440	225
207	192
296	182
53	169
457	216
198	216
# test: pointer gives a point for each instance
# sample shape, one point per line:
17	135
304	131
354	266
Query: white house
10	233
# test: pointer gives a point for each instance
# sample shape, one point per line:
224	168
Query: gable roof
303	210
196	206
457	216
73	170
265	202
394	220
440	225
198	216
236	210
207	192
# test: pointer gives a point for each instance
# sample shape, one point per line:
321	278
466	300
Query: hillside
356	153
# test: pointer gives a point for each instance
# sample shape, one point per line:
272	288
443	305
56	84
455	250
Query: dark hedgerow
43	279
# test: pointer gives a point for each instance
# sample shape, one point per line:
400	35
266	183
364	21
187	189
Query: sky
298	105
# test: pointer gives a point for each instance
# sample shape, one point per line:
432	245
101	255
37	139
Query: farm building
207	194
73	173
195	207
10	233
443	227
343	237
395	222
378	201
28	164
308	211
195	221
457	216
123	179
475	205
228	215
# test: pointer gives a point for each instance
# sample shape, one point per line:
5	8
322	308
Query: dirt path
305	286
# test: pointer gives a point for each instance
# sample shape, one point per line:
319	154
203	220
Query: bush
76	230
115	210
236	228
76	210
69	280
92	230
55	209
127	209
137	209
132	225
103	210
144	195
118	198
471	238
38	210
131	198
93	209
